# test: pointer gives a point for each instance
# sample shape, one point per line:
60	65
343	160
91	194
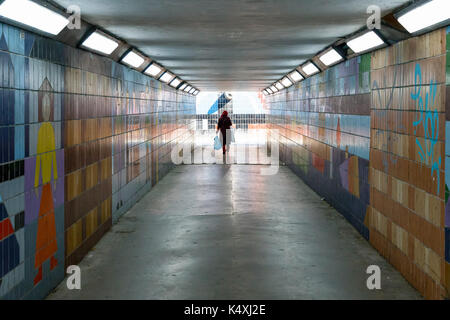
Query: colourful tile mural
324	124
369	136
82	138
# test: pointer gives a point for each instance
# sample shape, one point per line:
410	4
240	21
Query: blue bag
217	143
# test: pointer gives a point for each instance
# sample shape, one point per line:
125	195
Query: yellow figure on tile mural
46	245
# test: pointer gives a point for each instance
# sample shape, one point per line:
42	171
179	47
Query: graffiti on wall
428	121
388	159
447	151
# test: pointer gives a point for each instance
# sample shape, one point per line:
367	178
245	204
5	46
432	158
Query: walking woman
223	125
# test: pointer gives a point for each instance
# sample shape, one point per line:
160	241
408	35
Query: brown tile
76	256
411	197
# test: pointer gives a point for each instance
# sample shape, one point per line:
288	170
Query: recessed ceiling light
175	82
183	86
330	57
153	70
34	15
286	82
273	89
133	59
296	76
425	15
279	85
100	43
367	41
310	69
166	77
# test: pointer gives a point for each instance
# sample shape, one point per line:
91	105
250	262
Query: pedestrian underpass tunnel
336	169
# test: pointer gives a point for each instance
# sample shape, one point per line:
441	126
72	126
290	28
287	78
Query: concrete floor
227	232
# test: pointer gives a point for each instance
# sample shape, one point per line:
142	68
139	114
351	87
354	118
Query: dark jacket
224	124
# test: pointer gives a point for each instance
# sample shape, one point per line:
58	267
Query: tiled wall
447	163
369	136
82	138
324	126
407	159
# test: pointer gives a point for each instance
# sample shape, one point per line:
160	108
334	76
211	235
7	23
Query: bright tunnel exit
248	113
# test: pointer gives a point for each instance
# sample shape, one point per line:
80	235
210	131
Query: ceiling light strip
33	15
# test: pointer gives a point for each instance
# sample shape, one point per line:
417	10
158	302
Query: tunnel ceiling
230	44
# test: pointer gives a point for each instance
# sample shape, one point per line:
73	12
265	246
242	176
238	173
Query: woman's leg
224	141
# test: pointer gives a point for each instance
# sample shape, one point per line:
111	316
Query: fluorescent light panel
273	89
279	85
192	90
426	15
310	69
196	92
286	82
296	76
166	77
331	57
269	90
183	86
365	42
133	59
175	82
34	15
153	70
265	92
100	43
187	89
